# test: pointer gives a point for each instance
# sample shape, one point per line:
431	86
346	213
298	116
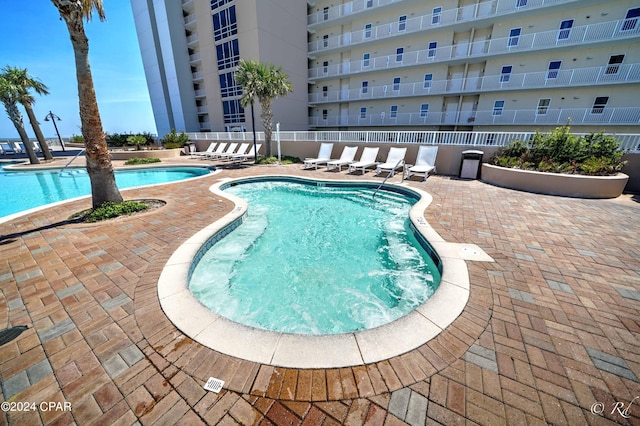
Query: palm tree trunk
36	129
267	117
99	167
16	119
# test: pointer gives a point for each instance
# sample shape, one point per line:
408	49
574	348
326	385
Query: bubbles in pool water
316	260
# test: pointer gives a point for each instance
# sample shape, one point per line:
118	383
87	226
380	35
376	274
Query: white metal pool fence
628	142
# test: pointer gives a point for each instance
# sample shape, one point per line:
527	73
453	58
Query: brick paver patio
551	333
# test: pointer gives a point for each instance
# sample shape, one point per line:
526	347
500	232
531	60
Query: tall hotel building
499	65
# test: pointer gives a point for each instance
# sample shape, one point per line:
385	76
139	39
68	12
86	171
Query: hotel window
217	3
369	3
325	91
498	107
228	85
232	111
436	15
228	54
399	54
424	110
505	75
521	3
224	23
631	20
402	23
363	112
396	83
565	29
614	64
325	13
393	112
543	106
514	37
552	71
365	87
325	40
428	78
325	114
365	60
367	31
325	67
599	104
433	46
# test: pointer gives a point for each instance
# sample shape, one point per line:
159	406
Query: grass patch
274	160
111	210
139	160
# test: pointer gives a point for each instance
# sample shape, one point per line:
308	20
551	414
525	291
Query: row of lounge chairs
234	152
425	160
11	148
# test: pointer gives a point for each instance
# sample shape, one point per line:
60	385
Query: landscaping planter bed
568	185
157	153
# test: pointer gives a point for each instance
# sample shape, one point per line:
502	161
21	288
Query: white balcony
195	57
627	73
205	125
189	19
448	17
200	93
202	109
197	76
595	33
193	38
577	116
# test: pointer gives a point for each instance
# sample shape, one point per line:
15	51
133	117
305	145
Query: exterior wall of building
459	65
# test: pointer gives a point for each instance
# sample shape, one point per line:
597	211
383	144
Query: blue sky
35	38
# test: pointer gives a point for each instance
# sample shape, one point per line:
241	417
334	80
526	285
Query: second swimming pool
316	259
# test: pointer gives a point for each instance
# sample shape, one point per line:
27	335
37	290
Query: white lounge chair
324	156
219	150
242	149
202	154
231	148
239	158
367	159
7	148
347	157
395	160
425	161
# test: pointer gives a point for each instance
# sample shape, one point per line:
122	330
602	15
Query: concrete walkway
550	335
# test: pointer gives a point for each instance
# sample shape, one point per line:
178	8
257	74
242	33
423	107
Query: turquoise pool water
316	260
21	191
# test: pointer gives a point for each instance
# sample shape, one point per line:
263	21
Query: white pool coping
317	351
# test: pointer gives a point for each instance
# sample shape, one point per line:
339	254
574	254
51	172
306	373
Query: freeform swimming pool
317	259
23	190
409	332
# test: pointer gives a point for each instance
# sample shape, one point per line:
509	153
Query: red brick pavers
551	333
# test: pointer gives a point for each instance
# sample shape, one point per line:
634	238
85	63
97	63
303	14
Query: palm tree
24	82
266	82
9	95
99	167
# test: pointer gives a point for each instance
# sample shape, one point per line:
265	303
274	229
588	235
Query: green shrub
274	160
135	160
110	210
137	140
175	140
77	139
122	139
563	152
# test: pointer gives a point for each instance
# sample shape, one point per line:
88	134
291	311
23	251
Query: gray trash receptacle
470	164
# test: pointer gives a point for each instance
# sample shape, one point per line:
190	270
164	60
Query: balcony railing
420	23
189	19
193	38
195	57
200	93
203	109
198	75
582	116
593	33
446	17
628	142
628	73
